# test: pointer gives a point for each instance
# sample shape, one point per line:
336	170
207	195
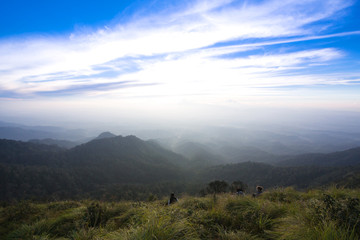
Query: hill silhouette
105	135
301	177
26	133
117	167
350	157
28	153
28	169
127	159
54	142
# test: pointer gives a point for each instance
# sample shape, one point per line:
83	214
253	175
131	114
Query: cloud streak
182	52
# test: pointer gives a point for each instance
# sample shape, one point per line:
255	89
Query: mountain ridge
349	157
109	165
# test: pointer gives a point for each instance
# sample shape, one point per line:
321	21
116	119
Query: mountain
28	153
130	168
199	154
128	159
215	153
28	169
105	135
54	142
276	140
267	175
237	154
349	157
26	133
17	133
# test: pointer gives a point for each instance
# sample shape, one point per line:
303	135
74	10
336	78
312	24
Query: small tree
217	187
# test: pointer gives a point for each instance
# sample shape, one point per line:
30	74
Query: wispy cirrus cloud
176	52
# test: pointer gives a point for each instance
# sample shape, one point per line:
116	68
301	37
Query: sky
215	60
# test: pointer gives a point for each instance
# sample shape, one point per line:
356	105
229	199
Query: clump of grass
196	204
133	216
327	217
15	215
282	195
61	206
331	230
236	235
87	234
20	212
23	232
62	225
156	222
258	217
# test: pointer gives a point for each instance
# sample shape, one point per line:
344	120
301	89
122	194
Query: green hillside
301	177
128	168
350	157
276	214
125	165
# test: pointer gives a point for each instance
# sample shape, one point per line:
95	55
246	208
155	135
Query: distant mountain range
25	133
218	153
105	135
302	177
349	157
17	133
129	158
231	144
113	164
54	142
29	169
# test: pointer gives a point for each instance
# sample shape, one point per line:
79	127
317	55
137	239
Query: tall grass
277	214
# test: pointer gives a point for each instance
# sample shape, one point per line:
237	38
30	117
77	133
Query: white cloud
170	50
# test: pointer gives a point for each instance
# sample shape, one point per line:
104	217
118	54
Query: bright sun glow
213	53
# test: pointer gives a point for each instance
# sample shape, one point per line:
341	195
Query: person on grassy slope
259	191
240	192
172	199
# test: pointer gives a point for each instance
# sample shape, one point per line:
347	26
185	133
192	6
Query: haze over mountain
129	168
349	157
24	132
219	143
54	142
29	169
105	135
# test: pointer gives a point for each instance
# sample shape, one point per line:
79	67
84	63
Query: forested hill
28	169
349	157
28	153
116	167
128	149
301	177
127	160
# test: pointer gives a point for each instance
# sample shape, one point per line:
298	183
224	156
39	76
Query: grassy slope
277	214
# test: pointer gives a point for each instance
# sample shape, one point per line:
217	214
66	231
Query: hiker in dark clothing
172	199
240	192
259	191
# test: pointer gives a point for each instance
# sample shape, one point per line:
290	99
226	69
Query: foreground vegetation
276	214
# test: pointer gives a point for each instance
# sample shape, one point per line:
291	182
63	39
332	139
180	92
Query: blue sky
147	58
